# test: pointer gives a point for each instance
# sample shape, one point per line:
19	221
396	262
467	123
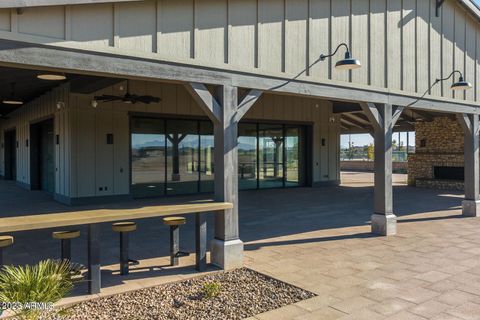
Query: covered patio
320	237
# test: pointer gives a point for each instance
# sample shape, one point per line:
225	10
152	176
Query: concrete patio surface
318	239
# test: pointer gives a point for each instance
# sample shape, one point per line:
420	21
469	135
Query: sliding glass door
247	156
270	150
271	156
148	157
173	157
182	157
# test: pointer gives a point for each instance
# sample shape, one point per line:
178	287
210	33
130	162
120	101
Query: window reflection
271	156
247	156
206	157
148	158
172	157
182	157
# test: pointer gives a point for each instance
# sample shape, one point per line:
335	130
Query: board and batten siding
39	109
99	169
402	45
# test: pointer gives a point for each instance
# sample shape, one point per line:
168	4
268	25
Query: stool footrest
182	254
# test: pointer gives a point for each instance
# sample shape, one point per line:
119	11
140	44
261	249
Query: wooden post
94	279
200	241
383	118
225	111
471	204
227	248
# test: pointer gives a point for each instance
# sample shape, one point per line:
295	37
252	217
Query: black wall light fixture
348	63
461	84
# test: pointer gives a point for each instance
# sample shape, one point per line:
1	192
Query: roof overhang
40	3
471	7
468	4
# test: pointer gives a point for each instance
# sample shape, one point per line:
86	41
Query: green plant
44	283
211	289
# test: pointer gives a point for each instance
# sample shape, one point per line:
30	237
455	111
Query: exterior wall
401	44
97	165
37	110
444	146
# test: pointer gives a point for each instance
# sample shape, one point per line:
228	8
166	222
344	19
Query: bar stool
5	241
175	253
124	228
65	238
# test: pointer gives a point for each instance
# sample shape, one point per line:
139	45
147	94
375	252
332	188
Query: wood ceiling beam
353	122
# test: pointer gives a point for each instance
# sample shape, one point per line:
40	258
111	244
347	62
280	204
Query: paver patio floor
430	270
319	239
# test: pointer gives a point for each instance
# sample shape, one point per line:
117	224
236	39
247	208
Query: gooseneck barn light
461	84
348	63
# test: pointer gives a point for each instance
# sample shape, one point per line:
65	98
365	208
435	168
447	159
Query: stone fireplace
438	162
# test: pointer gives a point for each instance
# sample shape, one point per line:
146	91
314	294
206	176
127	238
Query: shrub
44	283
211	289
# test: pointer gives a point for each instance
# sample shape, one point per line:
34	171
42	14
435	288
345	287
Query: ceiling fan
128	98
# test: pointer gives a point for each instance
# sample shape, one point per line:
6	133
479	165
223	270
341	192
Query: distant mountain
189	144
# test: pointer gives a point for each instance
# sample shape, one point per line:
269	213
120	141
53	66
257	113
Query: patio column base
471	208
385	225
227	255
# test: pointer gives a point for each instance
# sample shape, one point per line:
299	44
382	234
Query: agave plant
44	283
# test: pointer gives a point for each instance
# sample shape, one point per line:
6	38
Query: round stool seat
127	226
174	221
66	235
6	241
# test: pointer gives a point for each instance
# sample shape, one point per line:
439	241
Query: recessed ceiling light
13	98
9	101
52	76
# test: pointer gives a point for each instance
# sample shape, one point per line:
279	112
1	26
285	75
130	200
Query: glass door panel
182	156
271	156
206	157
294	157
247	156
148	158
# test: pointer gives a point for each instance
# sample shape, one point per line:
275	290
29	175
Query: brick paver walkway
318	239
430	270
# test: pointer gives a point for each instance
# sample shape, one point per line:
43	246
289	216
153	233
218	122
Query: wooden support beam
465	122
33	53
371	111
346	119
396	114
360	117
422	114
247	102
471	127
205	100
383	117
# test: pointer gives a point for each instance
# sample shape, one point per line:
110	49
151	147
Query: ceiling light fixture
12	99
51	76
349	63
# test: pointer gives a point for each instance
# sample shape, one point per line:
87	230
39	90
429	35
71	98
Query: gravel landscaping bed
236	294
